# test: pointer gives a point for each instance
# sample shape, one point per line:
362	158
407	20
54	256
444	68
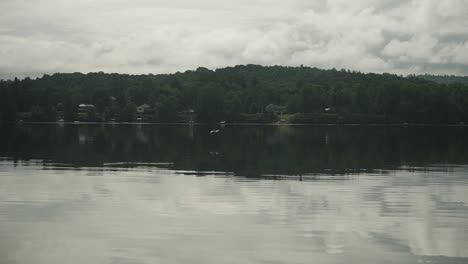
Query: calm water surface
248	194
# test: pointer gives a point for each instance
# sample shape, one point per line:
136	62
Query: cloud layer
155	36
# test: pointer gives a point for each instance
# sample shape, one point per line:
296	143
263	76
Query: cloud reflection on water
156	215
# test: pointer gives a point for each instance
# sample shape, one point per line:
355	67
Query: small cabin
142	108
85	108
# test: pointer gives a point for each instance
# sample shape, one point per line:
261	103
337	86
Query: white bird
214	131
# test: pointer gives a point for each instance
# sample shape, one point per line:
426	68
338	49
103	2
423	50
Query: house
87	112
85	108
144	112
142	109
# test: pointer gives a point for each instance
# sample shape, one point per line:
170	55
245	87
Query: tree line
245	93
446	79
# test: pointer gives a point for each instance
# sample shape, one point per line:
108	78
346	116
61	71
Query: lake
95	193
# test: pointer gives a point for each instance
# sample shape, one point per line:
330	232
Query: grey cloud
159	36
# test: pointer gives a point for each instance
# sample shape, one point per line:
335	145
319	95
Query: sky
154	36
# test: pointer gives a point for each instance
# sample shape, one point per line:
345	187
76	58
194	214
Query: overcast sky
156	36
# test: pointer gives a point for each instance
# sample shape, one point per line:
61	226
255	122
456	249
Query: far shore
232	124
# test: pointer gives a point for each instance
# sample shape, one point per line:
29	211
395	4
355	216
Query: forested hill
247	93
446	79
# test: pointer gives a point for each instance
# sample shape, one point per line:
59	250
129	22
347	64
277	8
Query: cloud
145	36
417	48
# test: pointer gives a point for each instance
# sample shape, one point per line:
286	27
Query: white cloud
417	48
159	36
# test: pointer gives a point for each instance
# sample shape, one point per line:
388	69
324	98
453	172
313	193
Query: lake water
248	194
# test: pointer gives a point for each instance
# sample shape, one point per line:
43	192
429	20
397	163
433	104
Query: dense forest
445	79
248	93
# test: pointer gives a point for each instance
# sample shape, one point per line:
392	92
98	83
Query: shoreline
231	124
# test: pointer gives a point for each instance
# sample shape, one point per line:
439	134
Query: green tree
211	104
233	106
128	113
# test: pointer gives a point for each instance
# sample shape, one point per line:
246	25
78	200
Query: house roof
85	105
